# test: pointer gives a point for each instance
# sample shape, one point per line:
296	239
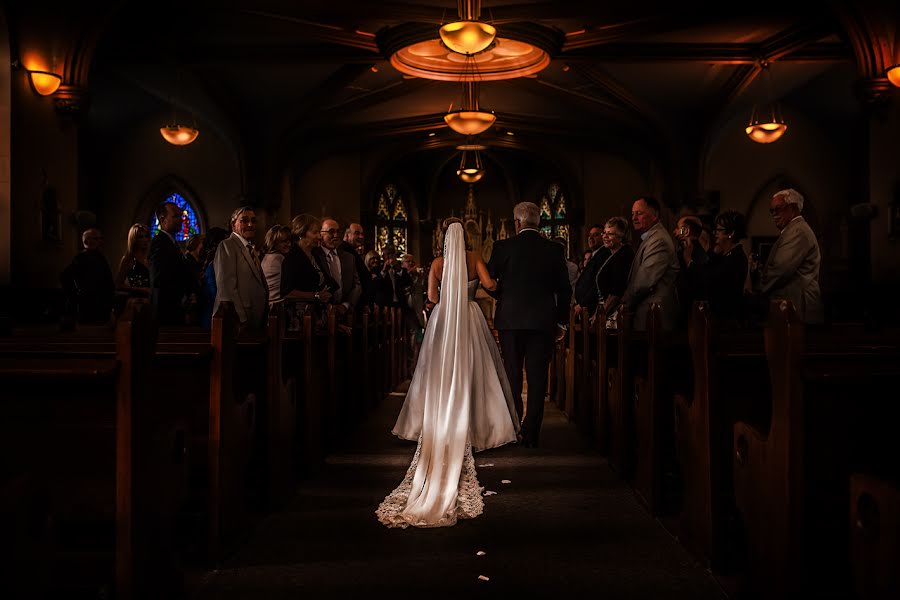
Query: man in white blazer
654	268
791	271
239	277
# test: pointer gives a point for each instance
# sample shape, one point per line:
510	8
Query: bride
459	400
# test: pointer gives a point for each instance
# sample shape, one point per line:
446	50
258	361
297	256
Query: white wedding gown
458	401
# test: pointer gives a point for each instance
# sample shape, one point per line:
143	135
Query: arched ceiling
305	70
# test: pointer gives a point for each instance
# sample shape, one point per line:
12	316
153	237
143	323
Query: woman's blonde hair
133	232
276	234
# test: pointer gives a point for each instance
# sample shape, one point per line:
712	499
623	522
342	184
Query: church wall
330	186
43	166
138	159
611	184
884	193
745	174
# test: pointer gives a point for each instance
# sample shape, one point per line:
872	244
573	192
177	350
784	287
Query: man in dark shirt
88	282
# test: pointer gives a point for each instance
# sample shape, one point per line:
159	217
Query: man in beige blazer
791	271
239	277
653	270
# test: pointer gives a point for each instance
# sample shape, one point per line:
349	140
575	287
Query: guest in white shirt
277	245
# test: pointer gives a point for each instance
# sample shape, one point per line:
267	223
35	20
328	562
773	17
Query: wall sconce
44	83
893	70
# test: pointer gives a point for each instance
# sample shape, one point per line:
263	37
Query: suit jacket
652	279
586	287
170	280
350	286
533	283
365	279
792	271
240	280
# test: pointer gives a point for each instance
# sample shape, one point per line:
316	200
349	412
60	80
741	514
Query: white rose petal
484	578
480	553
505	481
490	493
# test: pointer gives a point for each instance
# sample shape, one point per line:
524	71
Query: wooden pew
306	363
875	536
97	452
790	478
571	362
667	372
606	356
631	349
730	375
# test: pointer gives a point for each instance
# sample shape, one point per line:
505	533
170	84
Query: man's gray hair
791	196
528	214
237	214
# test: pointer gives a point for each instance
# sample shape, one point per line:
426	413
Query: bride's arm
433	278
485	277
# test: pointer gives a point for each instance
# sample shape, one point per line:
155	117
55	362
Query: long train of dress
459	400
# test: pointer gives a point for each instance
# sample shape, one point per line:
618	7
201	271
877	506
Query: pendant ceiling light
468	35
469	119
179	133
471	168
766	119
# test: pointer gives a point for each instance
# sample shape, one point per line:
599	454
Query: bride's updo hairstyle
445	225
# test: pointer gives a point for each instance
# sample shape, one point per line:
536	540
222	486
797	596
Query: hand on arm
481	269
433	279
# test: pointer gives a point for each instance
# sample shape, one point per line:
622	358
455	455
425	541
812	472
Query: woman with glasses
612	275
728	266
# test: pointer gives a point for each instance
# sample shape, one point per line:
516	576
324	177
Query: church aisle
563	524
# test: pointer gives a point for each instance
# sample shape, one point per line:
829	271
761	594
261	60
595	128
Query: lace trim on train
469	500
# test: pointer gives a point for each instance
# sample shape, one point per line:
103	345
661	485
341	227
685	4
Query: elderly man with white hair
791	271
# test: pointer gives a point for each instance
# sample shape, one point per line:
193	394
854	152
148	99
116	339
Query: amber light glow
179	135
766	133
893	75
45	83
471	169
468	37
470	122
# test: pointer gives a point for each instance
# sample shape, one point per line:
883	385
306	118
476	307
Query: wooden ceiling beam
723	54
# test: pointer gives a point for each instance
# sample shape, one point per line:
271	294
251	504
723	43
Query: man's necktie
334	267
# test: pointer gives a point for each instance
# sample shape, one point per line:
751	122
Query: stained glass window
555	214
190	224
391	220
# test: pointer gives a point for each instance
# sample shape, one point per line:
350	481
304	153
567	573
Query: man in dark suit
345	286
586	286
88	282
354	244
169	276
532	307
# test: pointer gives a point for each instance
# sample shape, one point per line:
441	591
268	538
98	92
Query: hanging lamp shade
470	119
766	126
471	169
179	135
766	123
470	122
468	37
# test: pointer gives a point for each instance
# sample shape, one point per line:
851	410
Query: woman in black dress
612	276
304	285
728	267
133	277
